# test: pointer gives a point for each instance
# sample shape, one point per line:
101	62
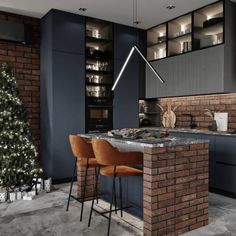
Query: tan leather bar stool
115	164
84	157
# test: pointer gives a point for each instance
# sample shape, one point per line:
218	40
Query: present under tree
18	154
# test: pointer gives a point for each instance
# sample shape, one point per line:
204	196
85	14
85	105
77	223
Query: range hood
17	32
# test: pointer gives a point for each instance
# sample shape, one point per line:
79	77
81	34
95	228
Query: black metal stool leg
115	197
96	182
112	196
94	195
84	189
71	185
121	205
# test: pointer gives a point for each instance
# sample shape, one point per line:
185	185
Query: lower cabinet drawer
225	177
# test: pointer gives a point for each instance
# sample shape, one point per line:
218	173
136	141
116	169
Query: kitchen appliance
99	118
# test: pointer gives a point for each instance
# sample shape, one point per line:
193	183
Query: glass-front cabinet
208	26
180	35
99	75
156	41
196	30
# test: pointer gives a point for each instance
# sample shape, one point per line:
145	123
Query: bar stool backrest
80	148
105	153
108	155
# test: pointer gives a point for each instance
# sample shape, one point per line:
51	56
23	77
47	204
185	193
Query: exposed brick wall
195	105
175	189
25	60
90	182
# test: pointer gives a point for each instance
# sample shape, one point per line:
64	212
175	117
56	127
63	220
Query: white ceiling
150	12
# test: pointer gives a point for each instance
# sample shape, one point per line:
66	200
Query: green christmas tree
18	155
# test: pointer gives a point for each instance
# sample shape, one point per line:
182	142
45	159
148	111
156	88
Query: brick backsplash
195	105
25	61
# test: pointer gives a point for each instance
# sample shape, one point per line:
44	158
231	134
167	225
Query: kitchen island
175	183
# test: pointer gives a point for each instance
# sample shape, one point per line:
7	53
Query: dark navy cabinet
132	82
68	32
225	164
126	96
132	190
63	85
125	38
62	89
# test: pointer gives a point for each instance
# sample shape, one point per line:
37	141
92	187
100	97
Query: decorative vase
3	195
48	185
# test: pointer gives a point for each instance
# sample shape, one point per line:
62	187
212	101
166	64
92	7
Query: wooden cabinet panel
199	72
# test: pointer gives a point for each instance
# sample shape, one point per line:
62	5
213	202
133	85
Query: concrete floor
46	216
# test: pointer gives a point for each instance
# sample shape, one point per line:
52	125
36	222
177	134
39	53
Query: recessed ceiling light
170	7
82	9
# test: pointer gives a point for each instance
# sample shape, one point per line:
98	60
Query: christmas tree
18	155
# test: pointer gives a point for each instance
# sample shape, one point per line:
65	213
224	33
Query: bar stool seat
114	163
84	157
120	171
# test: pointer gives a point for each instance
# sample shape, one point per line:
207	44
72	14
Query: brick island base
175	185
175	189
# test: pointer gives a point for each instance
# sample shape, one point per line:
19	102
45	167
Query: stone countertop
193	131
157	142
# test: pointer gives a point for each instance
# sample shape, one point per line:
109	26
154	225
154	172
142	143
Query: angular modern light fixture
130	54
126	62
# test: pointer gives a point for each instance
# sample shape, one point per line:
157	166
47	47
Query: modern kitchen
132	114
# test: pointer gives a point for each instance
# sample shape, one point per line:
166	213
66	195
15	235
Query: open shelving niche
208	26
99	75
156	41
196	30
179	35
149	112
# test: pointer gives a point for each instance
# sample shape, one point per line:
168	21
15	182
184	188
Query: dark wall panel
46	94
68	32
62	89
68	108
126	96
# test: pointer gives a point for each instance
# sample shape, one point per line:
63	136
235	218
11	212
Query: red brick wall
81	181
195	104
25	60
175	189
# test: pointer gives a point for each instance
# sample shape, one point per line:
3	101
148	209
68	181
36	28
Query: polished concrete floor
46	216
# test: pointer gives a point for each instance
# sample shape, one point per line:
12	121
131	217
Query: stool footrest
105	212
80	198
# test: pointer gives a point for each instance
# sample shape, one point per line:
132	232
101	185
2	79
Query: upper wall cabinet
201	52
208	26
124	38
156	42
199	29
180	35
67	30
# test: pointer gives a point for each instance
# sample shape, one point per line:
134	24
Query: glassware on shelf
161	39
96	34
160	53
